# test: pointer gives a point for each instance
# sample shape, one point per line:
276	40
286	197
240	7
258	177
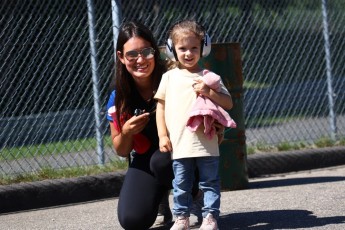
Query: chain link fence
56	64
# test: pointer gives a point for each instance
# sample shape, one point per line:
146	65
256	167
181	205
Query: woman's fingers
136	123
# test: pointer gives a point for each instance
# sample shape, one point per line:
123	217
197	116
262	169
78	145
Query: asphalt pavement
312	199
289	190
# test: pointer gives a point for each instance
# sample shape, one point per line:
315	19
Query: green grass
54	148
49	173
322	142
254	85
286	146
115	165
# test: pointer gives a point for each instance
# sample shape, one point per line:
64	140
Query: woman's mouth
141	67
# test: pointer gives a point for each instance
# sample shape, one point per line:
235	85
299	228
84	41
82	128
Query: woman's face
139	66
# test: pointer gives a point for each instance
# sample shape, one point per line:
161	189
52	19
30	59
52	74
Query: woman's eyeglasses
146	53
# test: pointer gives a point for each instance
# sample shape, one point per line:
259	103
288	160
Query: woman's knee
161	167
135	221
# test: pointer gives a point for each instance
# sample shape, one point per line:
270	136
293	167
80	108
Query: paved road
304	200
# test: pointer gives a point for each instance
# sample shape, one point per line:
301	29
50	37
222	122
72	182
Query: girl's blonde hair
185	28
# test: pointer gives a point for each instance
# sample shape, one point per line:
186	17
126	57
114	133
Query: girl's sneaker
181	223
209	223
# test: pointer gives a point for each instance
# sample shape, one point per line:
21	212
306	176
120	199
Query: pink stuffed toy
206	112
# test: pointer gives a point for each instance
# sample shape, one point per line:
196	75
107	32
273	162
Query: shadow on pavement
293	181
267	220
276	219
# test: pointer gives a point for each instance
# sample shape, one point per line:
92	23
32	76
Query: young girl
176	95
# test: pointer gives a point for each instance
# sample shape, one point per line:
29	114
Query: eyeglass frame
152	51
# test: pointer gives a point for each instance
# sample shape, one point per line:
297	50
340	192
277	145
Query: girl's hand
165	144
135	124
201	88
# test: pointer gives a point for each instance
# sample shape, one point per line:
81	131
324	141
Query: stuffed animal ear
212	80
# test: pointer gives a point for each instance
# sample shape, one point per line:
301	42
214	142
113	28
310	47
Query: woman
148	181
133	126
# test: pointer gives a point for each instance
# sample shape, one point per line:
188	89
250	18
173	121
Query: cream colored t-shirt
177	91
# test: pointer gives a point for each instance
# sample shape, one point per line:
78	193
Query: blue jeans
209	183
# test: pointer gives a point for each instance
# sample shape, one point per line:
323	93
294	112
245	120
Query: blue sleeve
111	102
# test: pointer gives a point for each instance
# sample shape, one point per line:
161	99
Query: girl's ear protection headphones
205	47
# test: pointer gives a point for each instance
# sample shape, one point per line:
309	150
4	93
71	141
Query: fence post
95	81
332	118
225	60
117	17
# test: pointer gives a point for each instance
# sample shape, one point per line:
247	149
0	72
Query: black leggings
148	178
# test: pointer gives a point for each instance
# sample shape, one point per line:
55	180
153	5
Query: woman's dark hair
124	83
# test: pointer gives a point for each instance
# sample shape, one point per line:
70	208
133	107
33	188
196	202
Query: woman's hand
123	141
135	124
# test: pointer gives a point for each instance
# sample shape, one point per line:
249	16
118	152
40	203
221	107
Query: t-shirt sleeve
222	87
161	91
111	106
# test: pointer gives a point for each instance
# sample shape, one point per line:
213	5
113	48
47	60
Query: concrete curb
49	193
292	161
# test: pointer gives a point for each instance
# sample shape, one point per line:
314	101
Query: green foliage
290	146
250	150
255	85
324	142
286	146
263	147
342	141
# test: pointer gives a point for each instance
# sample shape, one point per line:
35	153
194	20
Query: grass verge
49	173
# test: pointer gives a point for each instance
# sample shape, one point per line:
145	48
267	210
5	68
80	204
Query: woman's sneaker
164	210
209	223
181	223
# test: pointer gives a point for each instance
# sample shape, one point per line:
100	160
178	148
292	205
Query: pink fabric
206	112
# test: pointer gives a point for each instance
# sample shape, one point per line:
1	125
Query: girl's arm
223	100
164	140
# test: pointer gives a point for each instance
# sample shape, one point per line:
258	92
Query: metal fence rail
56	63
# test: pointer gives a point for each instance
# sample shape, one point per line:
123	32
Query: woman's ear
120	57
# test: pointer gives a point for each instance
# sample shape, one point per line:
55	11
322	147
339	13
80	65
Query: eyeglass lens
146	53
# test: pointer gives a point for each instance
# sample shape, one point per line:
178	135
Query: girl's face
188	52
137	58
